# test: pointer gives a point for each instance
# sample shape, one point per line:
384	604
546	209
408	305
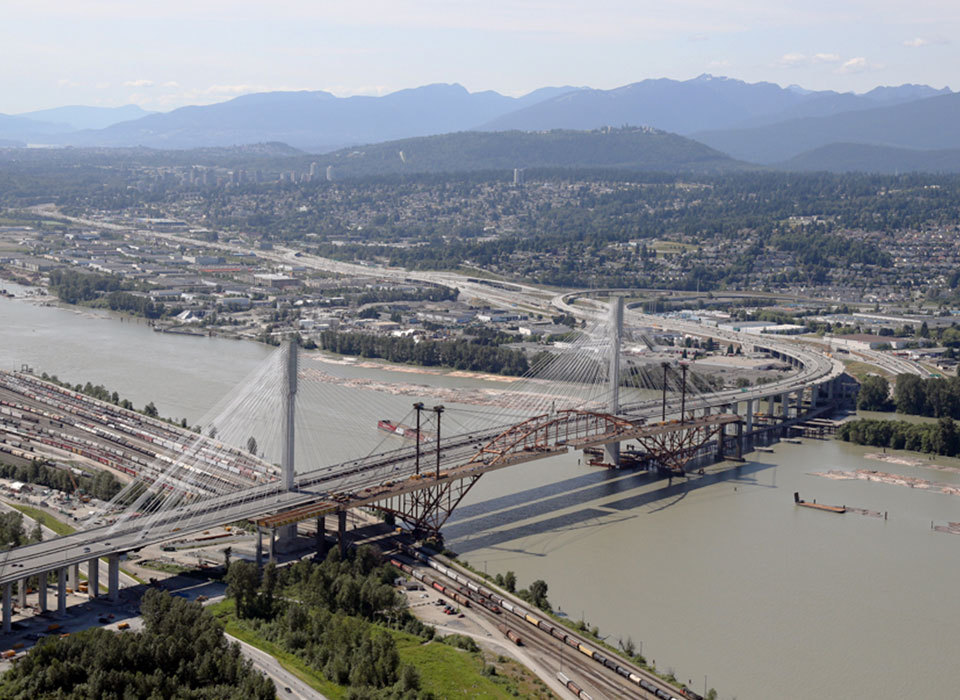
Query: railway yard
40	420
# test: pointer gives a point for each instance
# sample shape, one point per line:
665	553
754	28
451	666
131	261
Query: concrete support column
830	389
342	532
62	590
720	438
785	406
770	406
7	609
42	591
321	533
113	578
739	441
748	438
799	402
75	578
273	540
259	546
22	593
814	395
706	411
93	578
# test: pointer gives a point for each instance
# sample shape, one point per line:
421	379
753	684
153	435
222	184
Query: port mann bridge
580	398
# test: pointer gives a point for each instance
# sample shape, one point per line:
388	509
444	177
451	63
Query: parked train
573	687
558	632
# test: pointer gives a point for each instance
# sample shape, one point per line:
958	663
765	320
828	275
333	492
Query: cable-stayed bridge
261	454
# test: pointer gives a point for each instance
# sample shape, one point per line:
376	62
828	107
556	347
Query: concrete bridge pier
748	435
799	403
22	593
342	532
814	395
113	578
785	406
321	536
42	591
75	577
93	578
7	609
62	590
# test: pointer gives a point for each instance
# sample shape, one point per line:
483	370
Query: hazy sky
168	53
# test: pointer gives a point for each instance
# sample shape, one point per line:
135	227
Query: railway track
584	660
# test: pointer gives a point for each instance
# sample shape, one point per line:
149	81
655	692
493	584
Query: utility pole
439	411
418	407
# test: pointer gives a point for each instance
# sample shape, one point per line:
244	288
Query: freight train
556	631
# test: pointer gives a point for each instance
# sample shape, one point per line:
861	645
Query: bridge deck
418	482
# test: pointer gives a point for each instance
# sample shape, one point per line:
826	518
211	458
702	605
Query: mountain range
761	123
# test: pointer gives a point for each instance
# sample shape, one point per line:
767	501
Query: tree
510	582
252	445
909	394
151	410
36	535
538	594
874	394
243	579
227	552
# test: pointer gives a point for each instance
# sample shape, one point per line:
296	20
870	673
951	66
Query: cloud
171	84
919	42
796	59
791	60
66	82
140	83
859	64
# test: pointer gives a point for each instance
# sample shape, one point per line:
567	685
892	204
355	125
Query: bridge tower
612	450
288	533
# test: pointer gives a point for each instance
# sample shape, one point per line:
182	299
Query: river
719	576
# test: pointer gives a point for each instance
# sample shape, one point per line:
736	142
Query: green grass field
445	671
47	520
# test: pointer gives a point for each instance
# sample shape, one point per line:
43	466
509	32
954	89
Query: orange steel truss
426	509
425	501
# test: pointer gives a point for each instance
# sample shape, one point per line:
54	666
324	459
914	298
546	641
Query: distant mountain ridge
932	123
757	122
313	120
78	117
689	106
885	160
628	148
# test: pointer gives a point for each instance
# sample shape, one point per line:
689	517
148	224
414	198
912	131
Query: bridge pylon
612	450
288	533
